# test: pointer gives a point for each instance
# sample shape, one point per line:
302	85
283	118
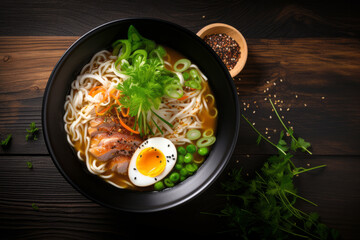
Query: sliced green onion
206	141
193	84
208	132
194	74
174	91
193	134
155	54
166	122
125	53
186	75
157	126
133	34
185	65
161	51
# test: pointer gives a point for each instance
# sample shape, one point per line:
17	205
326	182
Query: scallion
185	65
206	141
193	134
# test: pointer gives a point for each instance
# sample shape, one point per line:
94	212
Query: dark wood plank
256	19
322	73
25	66
65	213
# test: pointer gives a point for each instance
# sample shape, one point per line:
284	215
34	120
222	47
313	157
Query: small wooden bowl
217	28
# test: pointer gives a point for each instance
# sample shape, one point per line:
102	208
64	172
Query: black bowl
93	186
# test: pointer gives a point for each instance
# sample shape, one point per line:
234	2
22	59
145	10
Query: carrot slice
125	114
124	125
183	98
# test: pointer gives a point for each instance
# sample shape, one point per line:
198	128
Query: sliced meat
119	164
122	138
106	152
101	125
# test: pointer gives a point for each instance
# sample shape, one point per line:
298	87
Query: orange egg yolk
151	162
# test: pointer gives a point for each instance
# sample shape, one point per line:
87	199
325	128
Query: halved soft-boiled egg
152	161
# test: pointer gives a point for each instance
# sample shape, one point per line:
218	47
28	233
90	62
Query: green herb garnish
32	132
29	164
263	207
148	79
35	207
6	141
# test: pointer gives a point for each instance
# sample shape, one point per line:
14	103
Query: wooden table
306	56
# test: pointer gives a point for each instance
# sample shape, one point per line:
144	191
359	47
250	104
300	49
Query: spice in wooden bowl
228	43
226	47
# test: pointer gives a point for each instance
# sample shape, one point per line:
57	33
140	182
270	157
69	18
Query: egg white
170	153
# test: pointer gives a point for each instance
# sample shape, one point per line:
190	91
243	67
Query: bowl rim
190	195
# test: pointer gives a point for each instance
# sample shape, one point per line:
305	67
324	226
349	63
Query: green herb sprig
5	142
32	133
264	207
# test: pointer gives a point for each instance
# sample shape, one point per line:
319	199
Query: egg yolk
151	162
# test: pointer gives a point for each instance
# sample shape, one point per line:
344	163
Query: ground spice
226	47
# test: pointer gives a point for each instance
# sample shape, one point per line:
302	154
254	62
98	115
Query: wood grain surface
304	55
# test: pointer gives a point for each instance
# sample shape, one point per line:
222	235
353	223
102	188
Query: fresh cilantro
35	207
6	141
263	207
32	132
29	164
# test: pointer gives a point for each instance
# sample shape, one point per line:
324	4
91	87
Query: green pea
191	167
178	166
181	150
183	172
180	159
188	158
203	151
182	178
168	182
191	148
174	177
159	186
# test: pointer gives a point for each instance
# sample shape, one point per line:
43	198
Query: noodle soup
141	116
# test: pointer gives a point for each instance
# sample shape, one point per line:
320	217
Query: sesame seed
254	111
322	97
270	117
296	96
253	123
282	117
281	80
305	104
274	84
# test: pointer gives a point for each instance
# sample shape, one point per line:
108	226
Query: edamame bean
178	166
183	172
203	151
159	186
188	158
174	177
168	182
181	150
180	159
191	148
